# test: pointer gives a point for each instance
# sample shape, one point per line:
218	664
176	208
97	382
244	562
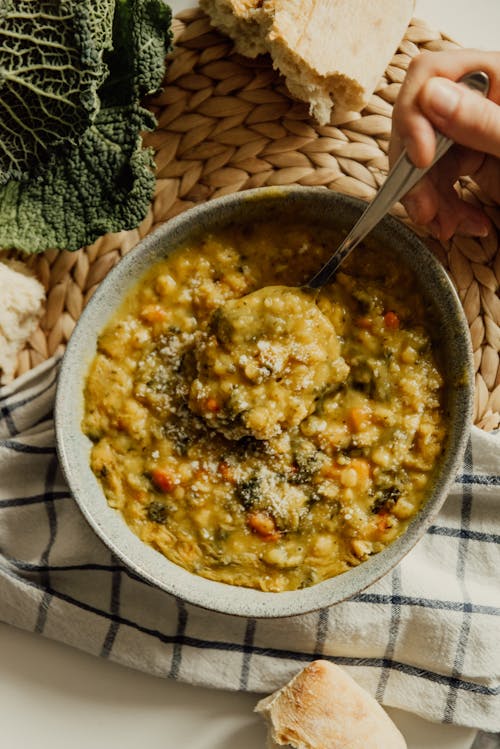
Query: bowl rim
73	447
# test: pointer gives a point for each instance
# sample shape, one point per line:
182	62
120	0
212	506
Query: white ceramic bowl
318	206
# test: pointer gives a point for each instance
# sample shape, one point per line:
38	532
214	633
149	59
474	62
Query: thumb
462	114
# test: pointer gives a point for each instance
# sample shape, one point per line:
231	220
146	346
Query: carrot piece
365	323
331	470
153	313
212	405
225	471
382	521
263	525
162	480
357	418
361	466
391	320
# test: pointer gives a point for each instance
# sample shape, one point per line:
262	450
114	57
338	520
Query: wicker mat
226	123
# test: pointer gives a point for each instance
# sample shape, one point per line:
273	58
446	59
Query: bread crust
241	20
322	707
331	52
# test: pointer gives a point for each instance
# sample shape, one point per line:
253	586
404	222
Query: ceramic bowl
317	206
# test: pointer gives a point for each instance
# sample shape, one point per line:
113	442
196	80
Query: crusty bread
241	20
331	52
322	707
21	303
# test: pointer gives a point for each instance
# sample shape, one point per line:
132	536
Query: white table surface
52	696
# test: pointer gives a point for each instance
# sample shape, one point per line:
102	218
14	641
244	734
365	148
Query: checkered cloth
425	638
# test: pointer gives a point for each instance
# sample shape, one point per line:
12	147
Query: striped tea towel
426	638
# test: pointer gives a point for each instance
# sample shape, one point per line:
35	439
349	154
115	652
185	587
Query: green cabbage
72	76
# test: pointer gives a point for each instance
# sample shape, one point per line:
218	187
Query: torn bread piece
322	707
241	20
21	304
332	53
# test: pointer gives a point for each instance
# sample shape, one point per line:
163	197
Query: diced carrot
162	480
140	496
361	466
263	524
212	405
366	323
225	471
153	313
383	521
331	470
391	320
357	418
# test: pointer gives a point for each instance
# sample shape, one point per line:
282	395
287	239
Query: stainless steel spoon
402	177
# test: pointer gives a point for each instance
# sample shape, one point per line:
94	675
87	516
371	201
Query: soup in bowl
251	445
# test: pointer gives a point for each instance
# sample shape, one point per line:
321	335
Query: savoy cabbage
72	76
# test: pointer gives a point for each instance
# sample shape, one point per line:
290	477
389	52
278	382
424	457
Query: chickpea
361	549
403	509
323	546
349	477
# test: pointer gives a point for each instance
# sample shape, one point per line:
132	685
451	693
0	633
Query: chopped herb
156	512
314	497
94	435
248	492
247	445
365	299
385	499
220	326
371	377
305	465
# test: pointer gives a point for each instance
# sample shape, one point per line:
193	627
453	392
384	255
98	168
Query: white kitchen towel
426	638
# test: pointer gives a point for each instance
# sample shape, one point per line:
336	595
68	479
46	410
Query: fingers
438	207
422	202
412	128
435	203
461	114
430	99
487	177
458	217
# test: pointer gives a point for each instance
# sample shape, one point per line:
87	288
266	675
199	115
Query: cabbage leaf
91	175
51	68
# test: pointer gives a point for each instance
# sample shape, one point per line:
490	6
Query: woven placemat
227	123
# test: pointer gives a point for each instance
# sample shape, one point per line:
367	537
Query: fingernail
470	227
442	96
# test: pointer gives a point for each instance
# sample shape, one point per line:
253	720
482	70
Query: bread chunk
322	707
21	302
332	53
241	20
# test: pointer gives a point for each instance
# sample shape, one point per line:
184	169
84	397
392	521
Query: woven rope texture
227	123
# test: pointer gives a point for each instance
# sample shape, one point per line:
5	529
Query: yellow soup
259	436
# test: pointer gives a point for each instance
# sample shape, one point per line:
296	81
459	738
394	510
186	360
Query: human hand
430	98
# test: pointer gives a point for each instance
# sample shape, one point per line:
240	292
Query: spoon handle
402	177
